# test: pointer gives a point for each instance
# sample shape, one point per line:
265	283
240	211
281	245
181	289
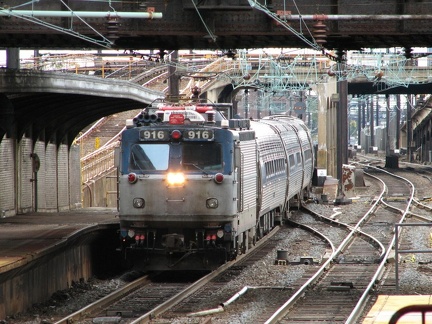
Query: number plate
153	135
198	135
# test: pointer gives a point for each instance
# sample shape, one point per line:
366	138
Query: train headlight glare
212	203
175	178
138	203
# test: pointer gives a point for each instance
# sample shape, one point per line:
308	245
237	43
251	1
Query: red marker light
218	178
132	177
176	134
203	109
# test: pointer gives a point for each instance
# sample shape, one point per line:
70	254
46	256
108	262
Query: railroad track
143	300
129	302
356	266
339	294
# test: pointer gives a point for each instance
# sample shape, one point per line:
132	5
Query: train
197	189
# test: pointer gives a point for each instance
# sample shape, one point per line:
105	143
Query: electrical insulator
195	91
319	32
113	23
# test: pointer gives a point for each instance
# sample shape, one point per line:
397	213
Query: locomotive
196	189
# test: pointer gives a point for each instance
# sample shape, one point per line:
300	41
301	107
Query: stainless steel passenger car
196	191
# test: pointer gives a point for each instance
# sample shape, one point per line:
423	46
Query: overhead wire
24	4
313	44
259	6
88	25
213	36
105	42
70	32
303	21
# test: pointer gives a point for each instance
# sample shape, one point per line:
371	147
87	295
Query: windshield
203	156
193	156
147	157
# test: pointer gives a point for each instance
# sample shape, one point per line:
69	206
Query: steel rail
356	312
283	310
103	302
147	318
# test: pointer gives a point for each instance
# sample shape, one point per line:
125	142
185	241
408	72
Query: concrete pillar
325	92
409	129
13	58
174	78
213	94
342	126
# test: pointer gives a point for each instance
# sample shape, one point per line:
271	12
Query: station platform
386	305
25	237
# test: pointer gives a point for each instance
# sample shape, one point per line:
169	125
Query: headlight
175	178
138	203
212	203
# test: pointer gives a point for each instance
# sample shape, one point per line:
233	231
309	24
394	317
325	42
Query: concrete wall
54	187
34	280
35	285
7	178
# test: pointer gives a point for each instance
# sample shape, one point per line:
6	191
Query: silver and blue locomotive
196	189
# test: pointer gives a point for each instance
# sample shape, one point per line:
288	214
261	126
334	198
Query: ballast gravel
414	271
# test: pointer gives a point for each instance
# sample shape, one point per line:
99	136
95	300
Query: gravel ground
415	272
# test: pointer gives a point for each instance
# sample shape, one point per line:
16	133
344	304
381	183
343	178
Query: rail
90	130
357	310
98	163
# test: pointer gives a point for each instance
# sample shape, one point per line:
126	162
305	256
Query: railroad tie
340	286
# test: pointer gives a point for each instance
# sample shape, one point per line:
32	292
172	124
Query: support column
246	104
13	58
173	80
409	129
325	92
372	123
360	115
342	126
398	120
387	143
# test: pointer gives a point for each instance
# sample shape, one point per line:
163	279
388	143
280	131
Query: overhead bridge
216	24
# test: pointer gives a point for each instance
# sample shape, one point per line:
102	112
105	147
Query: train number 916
198	134
154	135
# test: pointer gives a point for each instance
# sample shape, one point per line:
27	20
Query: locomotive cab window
149	157
202	156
